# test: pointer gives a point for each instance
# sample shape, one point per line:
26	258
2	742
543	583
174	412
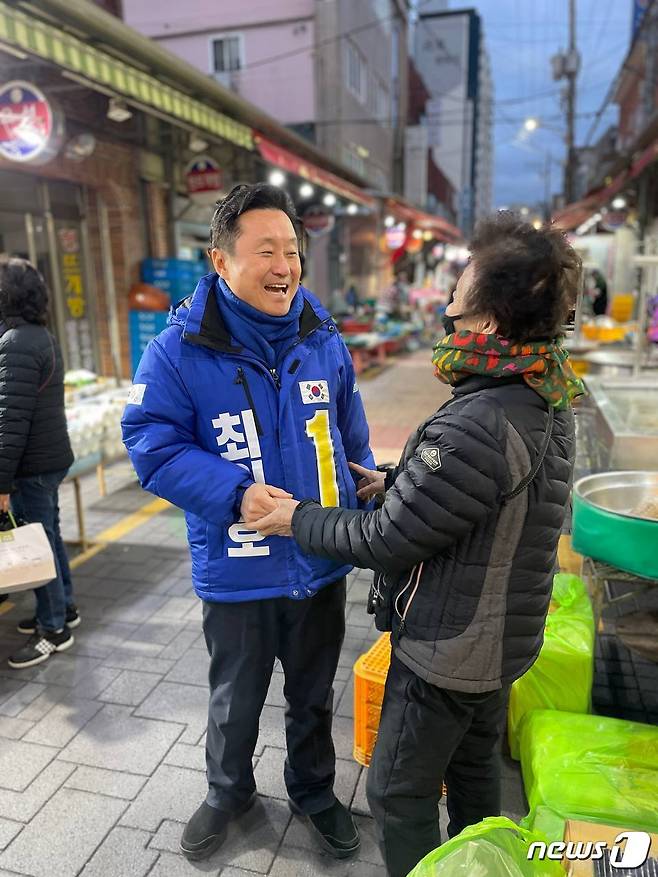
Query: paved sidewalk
102	747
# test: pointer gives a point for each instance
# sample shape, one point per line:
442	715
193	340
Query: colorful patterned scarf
543	364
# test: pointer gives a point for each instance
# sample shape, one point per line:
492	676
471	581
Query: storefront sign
396	236
318	221
30	129
78	327
204	176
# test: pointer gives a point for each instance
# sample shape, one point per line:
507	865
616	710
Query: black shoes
40	647
29	625
206	829
334	829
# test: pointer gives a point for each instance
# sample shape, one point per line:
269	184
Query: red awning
288	161
441	228
575	214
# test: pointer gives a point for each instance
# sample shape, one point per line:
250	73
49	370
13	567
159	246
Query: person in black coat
35	451
465	540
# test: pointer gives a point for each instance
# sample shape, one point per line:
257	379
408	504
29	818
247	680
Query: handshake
270	510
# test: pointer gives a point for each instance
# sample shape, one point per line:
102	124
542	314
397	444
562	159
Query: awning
580	211
106	73
441	228
293	164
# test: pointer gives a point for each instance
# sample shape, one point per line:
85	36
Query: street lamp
277	178
531	124
306	190
618	203
329	199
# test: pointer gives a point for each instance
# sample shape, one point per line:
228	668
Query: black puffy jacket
472	570
33	435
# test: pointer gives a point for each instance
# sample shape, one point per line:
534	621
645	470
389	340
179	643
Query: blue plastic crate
144	326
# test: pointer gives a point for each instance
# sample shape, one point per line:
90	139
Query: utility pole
547	186
571	71
566	66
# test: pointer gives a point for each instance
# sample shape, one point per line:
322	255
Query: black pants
427	735
243	641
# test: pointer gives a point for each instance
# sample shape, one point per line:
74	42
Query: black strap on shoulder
521	486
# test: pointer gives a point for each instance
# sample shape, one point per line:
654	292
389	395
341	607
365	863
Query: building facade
333	72
450	55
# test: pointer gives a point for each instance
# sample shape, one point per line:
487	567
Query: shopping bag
26	558
496	847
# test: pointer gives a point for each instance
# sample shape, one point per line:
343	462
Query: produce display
93	413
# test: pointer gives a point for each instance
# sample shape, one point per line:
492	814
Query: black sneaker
40	647
333	828
29	625
205	831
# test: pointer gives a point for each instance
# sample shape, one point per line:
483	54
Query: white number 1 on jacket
318	430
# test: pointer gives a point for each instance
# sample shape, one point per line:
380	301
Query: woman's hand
4	502
278	522
371	483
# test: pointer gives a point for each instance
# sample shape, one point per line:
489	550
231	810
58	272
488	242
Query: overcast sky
521	37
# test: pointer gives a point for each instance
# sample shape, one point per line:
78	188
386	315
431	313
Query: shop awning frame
285	160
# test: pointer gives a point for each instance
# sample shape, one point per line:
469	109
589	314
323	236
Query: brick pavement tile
299	835
21	763
170	865
297	862
176	608
343	674
275	696
135	608
116	740
175	702
236	872
346	704
342	732
191	668
513	797
358	592
114	783
251	841
13	729
179	588
159	632
123	853
8	688
22	806
123	659
180	645
183	755
93	608
130	687
102	639
359	800
194	735
48	845
66	669
339	690
8	831
23	696
358	617
348	657
62	723
272	730
172	793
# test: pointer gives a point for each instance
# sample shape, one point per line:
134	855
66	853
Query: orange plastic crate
370	671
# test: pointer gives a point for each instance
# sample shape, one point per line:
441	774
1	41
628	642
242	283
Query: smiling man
251	385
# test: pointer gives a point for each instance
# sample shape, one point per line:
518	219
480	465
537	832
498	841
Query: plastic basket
370	671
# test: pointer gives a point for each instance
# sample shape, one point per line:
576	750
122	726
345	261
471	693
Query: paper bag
26	559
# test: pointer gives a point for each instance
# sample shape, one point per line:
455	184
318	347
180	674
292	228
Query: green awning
109	73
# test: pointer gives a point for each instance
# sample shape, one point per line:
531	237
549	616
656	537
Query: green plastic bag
496	847
591	768
561	677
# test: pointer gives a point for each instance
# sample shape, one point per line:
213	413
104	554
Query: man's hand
261	499
371	483
278	522
4	502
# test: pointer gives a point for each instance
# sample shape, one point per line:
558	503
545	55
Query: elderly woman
466	538
35	452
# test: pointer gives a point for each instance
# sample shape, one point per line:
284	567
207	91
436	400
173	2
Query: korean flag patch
136	394
431	457
314	392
